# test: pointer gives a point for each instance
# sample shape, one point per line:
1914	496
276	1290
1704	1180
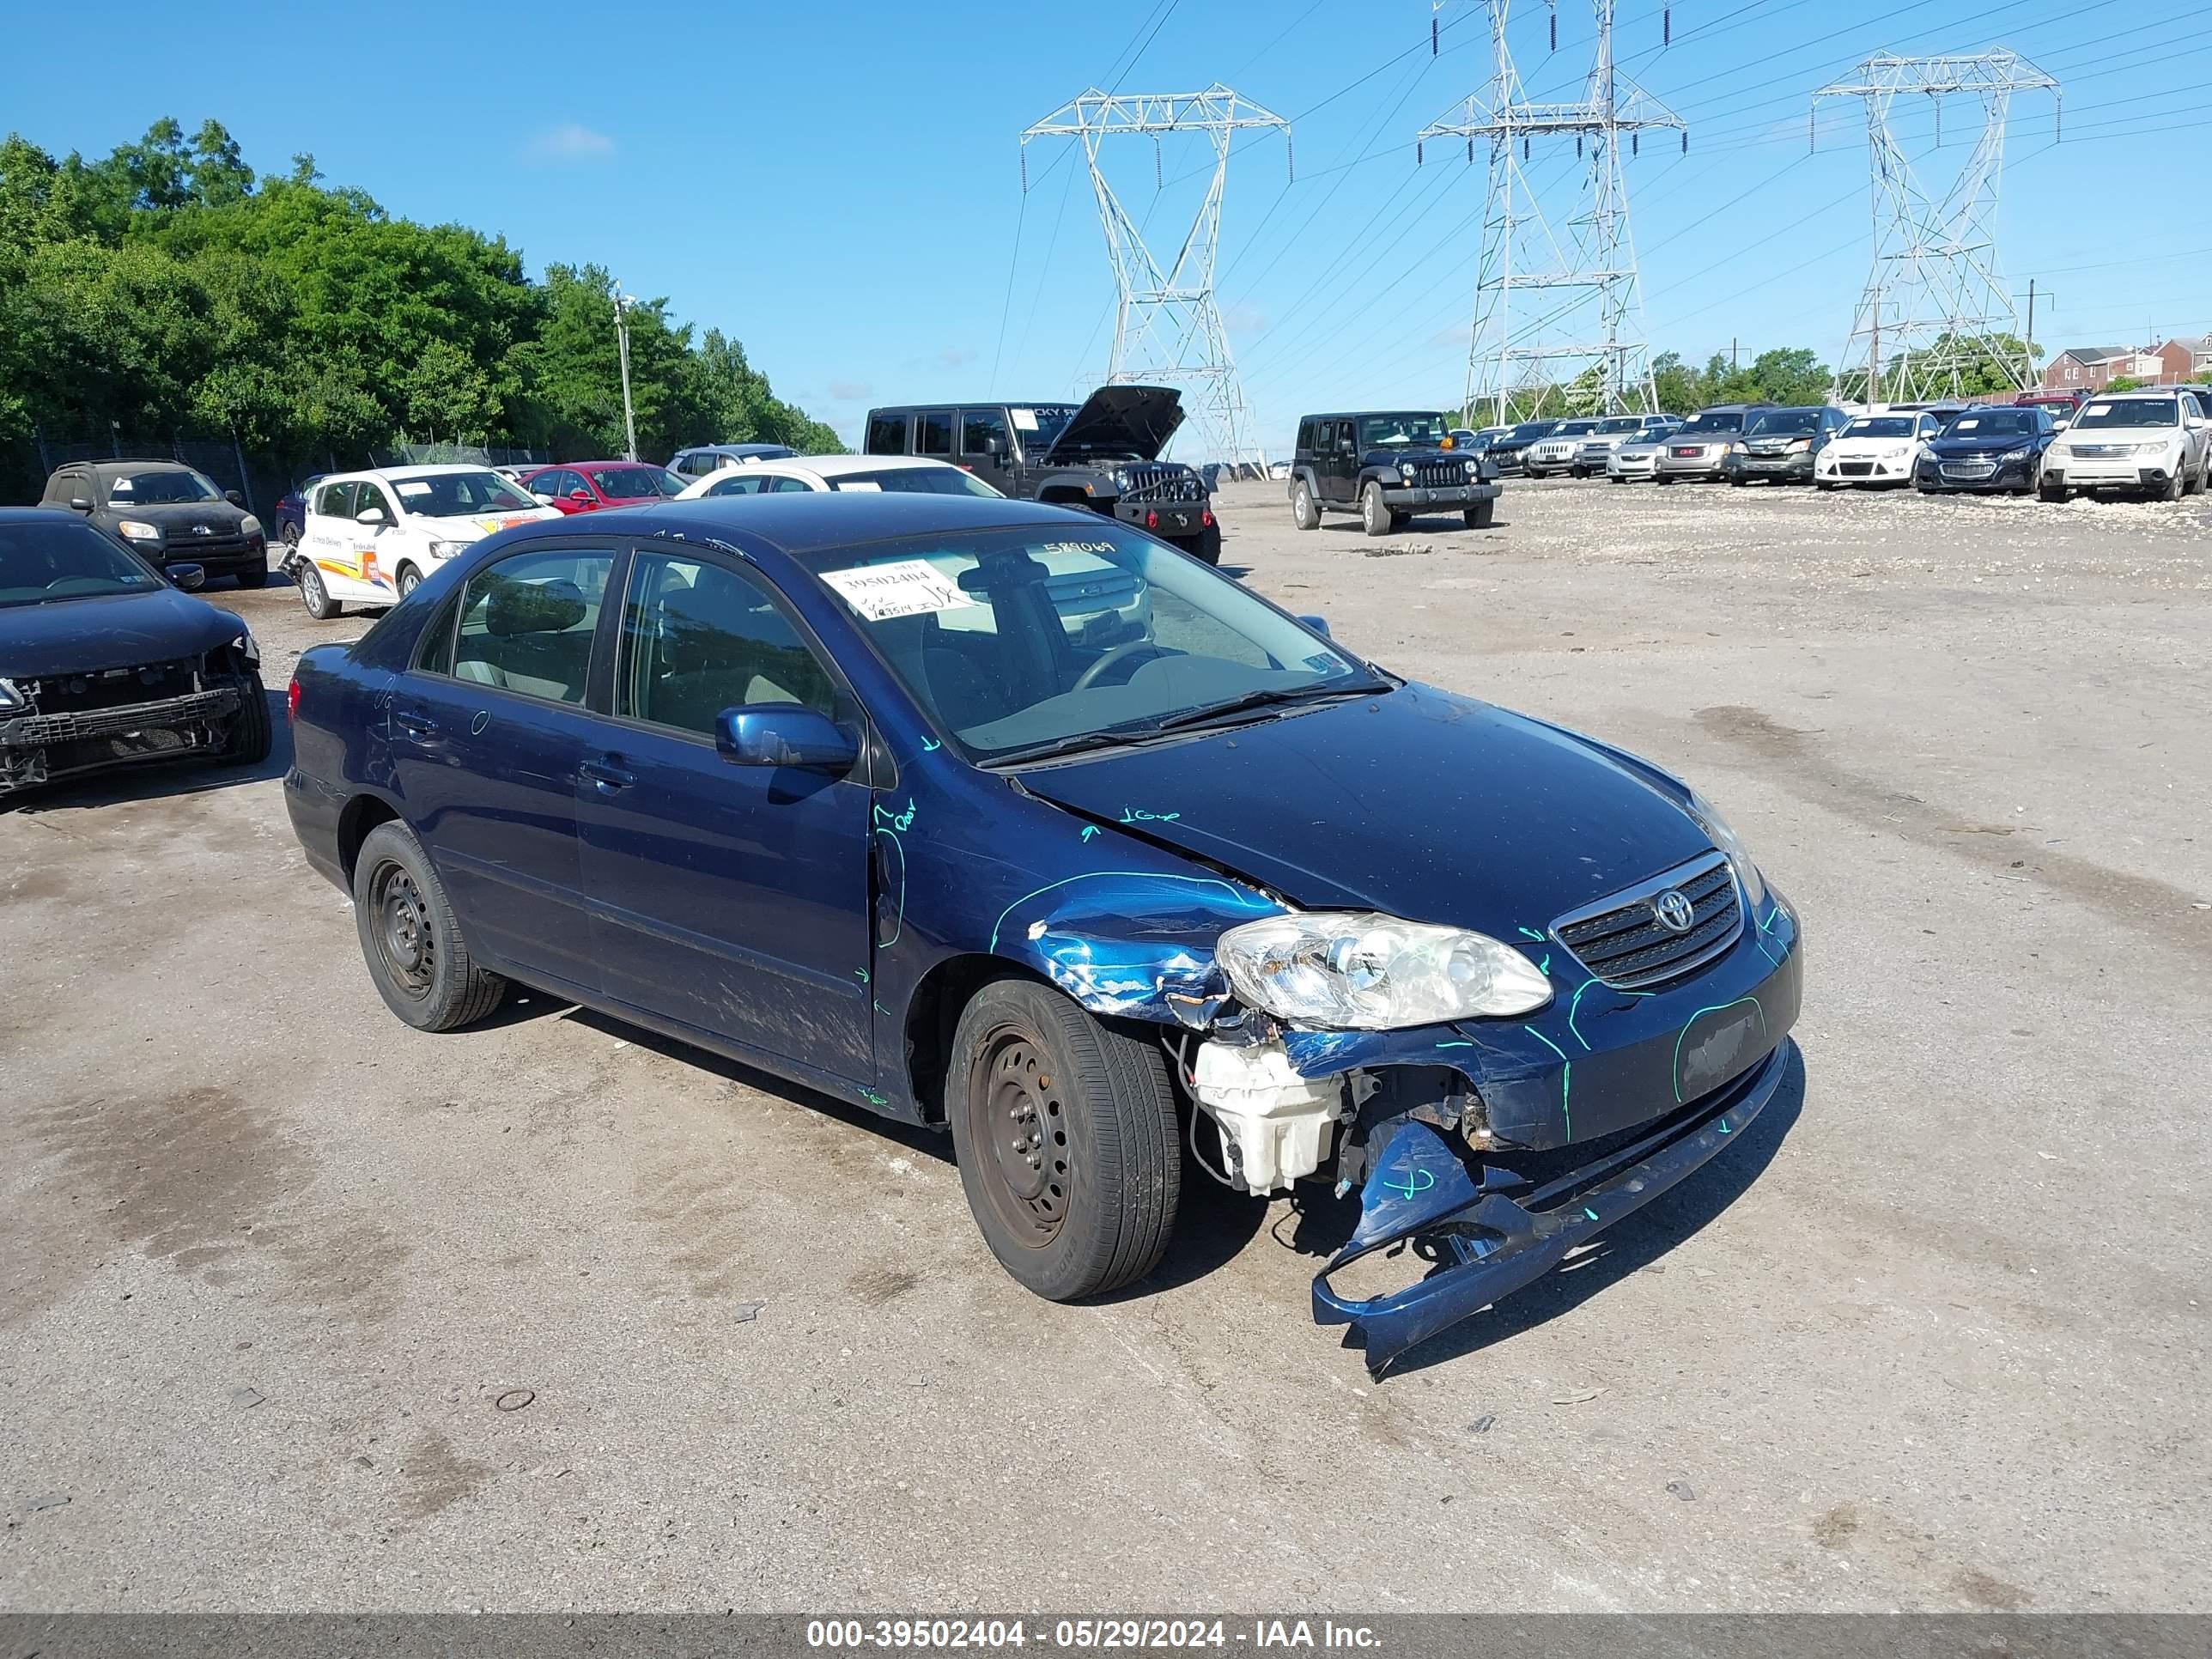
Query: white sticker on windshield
1969	423
859	487
1024	420
2097	408
910	588
409	491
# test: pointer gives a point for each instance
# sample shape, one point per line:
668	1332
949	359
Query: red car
587	486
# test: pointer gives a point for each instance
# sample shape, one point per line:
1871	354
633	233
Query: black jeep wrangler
1386	468
1103	454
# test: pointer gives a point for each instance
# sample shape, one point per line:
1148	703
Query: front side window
1403	431
1041	424
933	432
886	434
698	637
634	482
739	482
1021	642
370	497
2129	411
169	486
527	622
784	484
45	560
457	495
978	428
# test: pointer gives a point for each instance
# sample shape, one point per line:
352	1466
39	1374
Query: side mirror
996	446
79	504
784	734
233	497
189	577
370	516
580	493
541	497
1319	625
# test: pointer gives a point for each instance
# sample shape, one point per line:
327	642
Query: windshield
2005	424
1041	424
1621	423
1783	422
42	562
1426	431
1021	642
1883	426
619	484
1714	420
918	481
1575	428
1527	431
2127	411
457	495
160	489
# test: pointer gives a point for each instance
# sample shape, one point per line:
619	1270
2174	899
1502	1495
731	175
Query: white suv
371	536
2149	442
1557	452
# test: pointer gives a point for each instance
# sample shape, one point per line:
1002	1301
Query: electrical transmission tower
1588	325
1167	328
1936	302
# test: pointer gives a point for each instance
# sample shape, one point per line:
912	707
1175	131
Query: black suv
1386	467
167	512
1103	454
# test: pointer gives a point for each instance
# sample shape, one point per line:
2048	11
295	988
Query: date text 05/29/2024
1261	1634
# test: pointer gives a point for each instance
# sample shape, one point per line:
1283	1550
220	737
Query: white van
370	537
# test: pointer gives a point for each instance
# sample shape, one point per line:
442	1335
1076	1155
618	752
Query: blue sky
840	188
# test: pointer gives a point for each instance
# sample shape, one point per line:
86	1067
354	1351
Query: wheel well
1063	496
933	1013
361	814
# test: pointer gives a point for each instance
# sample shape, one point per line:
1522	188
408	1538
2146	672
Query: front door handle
415	724
607	777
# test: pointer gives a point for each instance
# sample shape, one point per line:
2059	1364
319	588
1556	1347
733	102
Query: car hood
1391	455
175	520
1134	421
1996	444
474	526
83	636
1414	802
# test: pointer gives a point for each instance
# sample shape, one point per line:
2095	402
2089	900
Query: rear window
886	434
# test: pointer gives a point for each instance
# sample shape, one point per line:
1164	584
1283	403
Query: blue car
905	799
106	661
1985	449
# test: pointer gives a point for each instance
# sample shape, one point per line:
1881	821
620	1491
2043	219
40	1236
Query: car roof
126	465
811	527
1381	408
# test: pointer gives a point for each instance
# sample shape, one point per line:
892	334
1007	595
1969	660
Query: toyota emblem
1674	911
202	530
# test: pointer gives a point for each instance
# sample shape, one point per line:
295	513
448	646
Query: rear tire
315	597
1375	518
1481	514
251	734
1064	1132
1305	511
411	939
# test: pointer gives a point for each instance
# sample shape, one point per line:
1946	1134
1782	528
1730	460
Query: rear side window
738	483
527	623
1305	435
933	432
782	484
886	434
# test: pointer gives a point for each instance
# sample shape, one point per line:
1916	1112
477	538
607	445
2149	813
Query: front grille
1439	475
2101	451
112	688
1856	469
191	708
1622	941
1687	452
1163	481
1968	469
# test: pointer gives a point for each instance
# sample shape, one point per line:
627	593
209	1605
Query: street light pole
622	303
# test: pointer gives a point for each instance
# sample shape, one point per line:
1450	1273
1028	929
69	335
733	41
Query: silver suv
1615	430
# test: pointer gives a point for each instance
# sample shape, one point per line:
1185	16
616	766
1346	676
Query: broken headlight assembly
1708	815
1342	970
10	698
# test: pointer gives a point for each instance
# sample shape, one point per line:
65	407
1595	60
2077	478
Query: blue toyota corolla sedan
1011	820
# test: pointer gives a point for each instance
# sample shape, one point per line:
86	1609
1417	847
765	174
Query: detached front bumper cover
1494	1239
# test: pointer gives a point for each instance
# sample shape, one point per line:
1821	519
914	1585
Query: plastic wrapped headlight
1347	970
1754	885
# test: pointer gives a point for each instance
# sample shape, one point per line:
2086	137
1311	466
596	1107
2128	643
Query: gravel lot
303	1310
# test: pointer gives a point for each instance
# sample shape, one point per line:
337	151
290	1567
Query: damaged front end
63	726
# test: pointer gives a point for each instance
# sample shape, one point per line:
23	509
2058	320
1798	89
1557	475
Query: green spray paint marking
1724	1127
861	974
1237	895
1545	966
1454	1045
1575	1008
873	1098
1417	1180
1530	932
897	820
1717	1008
1088	830
930	746
1588	1211
1566	1077
885	1011
1138	815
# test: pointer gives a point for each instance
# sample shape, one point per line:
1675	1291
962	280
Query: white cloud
571	141
850	392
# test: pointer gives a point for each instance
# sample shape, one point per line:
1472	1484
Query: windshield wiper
1266	698
1069	746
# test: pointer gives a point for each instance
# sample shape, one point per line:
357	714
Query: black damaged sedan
106	661
1986	449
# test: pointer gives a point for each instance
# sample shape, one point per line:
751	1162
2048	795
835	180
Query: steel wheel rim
406	944
1018	1125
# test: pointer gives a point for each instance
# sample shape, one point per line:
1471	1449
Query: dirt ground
303	1310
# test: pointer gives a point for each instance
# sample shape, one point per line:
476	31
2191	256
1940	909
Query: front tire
1064	1132
407	580
250	735
1480	515
2055	494
1305	511
1204	547
411	938
314	596
1375	517
252	578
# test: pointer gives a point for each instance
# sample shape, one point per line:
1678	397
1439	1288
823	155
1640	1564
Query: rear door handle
607	776
415	724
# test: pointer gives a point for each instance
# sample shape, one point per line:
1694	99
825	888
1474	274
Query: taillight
292	700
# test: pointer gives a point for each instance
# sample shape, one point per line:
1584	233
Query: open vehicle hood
83	636
1414	802
1132	422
